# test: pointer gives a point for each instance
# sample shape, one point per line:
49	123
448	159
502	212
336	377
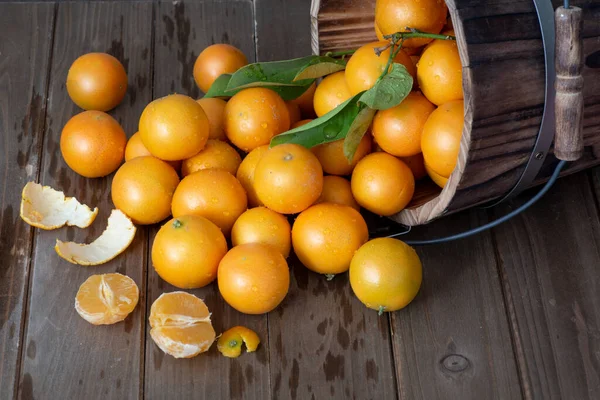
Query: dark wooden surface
512	313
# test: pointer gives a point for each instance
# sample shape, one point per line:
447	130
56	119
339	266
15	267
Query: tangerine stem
415	33
177	223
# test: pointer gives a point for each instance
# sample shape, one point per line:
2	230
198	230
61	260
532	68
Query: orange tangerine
216	154
106	299
180	325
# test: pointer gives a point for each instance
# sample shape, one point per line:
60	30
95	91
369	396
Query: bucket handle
568	111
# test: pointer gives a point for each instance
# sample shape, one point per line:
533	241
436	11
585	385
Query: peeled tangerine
106	299
181	325
117	236
46	208
230	342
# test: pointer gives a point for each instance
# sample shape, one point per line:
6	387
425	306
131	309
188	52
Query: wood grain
503	79
568	140
453	340
183	30
24	61
64	356
324	343
549	264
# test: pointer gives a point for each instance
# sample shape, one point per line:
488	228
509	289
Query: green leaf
219	86
320	66
289	78
219	89
328	128
357	130
390	90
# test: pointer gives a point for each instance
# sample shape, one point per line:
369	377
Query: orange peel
47	208
106	299
117	236
180	325
230	342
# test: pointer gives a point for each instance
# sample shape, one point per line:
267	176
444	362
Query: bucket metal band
545	14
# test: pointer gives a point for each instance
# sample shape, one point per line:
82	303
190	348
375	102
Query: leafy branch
349	120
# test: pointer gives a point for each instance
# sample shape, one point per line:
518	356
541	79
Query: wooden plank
24	61
453	341
65	357
324	342
549	264
183	30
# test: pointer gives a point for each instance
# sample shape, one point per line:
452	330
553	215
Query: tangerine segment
230	342
181	325
106	299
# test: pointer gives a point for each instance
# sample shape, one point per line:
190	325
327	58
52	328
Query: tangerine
385	274
441	137
365	67
416	164
393	16
305	102
176	247
382	184
143	188
216	60
180	325
214	109
398	130
106	299
135	148
439	72
261	225
215	154
97	81
211	193
92	144
174	127
332	92
245	173
293	111
288	178
325	237
253	278
332	158
253	116
337	190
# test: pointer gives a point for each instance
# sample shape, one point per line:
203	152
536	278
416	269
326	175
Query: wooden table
510	313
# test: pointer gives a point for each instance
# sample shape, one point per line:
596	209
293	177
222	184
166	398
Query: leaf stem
340	53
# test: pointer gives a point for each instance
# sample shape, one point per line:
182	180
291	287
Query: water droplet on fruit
226	213
436	77
254	289
370	178
264	125
214	200
339	95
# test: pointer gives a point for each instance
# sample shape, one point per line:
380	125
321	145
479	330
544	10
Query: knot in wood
455	363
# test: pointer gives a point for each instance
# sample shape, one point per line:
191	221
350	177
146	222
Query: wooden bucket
504	83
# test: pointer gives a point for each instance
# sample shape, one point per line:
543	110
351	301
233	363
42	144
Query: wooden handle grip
568	139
